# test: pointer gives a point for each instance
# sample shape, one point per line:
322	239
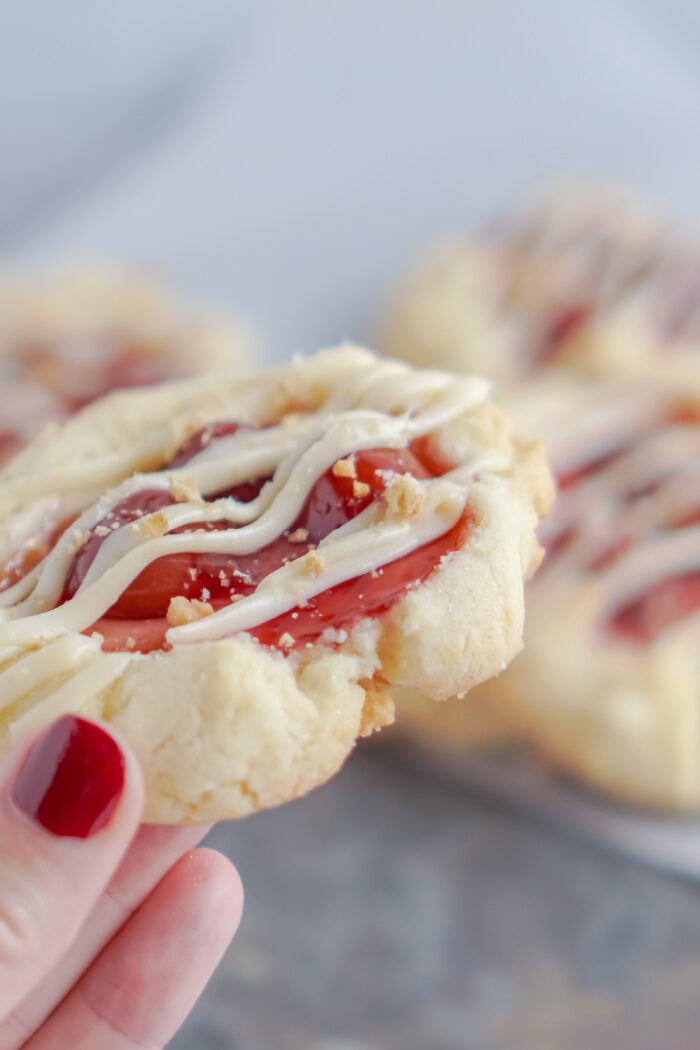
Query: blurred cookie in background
70	338
588	277
608	684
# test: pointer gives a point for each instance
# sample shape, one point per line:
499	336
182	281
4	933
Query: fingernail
72	779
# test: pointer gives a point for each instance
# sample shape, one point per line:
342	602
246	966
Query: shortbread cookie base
225	728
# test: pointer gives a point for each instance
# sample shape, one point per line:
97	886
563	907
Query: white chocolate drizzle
603	255
379	405
639	505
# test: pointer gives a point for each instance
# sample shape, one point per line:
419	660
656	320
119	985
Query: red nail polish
72	779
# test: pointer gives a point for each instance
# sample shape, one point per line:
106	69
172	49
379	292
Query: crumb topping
360	489
298	536
313	564
184	490
404	496
289	419
154	525
344	468
80	538
183	610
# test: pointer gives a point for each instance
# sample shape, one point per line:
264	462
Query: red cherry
643	619
203	438
339	495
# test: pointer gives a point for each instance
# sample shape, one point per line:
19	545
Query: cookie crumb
289	419
184	490
285	641
298	536
404	496
378	710
80	538
344	468
102	531
154	525
313	564
97	637
182	611
360	489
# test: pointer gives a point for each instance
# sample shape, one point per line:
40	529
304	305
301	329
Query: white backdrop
287	156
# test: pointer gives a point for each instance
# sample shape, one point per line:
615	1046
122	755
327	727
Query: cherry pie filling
670	600
565	324
139	619
117	366
10	442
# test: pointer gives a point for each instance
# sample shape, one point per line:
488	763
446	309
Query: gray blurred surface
386	912
326	142
287	158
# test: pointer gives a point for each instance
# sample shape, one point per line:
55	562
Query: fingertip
217	880
156	967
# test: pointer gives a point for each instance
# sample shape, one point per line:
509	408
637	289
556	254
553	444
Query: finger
69	806
152	853
140	990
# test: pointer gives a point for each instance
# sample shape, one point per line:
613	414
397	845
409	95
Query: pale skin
108	941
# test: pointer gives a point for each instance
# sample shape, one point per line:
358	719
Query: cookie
69	339
587	278
608	685
235	571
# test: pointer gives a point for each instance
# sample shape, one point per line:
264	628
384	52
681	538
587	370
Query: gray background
287	158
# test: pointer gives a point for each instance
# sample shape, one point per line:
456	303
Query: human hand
108	932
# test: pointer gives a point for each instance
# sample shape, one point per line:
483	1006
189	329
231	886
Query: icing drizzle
628	513
581	258
376	405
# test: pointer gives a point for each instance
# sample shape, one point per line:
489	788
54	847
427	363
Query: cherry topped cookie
588	278
608	684
67	340
235	571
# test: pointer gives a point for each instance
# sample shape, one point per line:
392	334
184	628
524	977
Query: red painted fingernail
72	779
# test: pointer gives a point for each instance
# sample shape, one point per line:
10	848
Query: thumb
70	803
